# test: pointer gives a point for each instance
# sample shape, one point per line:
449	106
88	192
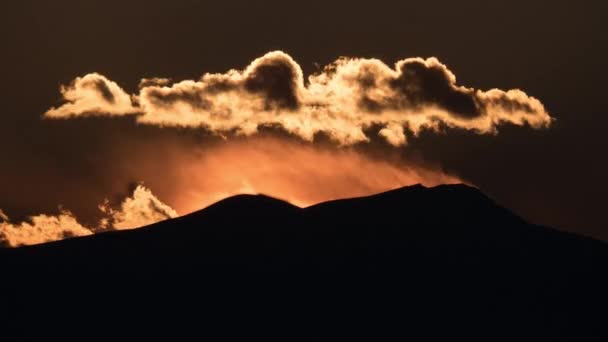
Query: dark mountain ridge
444	256
451	213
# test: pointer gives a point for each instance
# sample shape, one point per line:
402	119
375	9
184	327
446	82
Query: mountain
441	262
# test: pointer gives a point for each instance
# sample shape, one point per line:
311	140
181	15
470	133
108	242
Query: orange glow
193	178
299	173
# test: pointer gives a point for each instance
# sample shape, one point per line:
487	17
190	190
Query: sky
66	163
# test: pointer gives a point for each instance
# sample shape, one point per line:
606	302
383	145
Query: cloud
3	216
92	94
40	229
343	101
154	81
140	209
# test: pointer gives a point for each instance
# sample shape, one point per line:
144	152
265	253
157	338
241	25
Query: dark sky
555	51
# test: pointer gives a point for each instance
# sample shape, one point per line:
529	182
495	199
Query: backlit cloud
3	216
140	209
40	229
92	94
342	101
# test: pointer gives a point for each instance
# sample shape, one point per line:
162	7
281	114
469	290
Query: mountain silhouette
440	262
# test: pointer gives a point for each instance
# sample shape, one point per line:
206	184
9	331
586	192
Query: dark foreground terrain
414	263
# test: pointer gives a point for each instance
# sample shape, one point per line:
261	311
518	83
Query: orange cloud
345	99
92	94
3	216
40	229
141	209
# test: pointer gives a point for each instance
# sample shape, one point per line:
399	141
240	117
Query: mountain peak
246	205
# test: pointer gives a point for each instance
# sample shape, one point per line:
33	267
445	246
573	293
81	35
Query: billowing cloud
141	209
40	229
343	101
92	94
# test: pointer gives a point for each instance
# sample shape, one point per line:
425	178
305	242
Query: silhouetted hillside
442	262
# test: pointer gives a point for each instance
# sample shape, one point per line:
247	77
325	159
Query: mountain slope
447	256
445	218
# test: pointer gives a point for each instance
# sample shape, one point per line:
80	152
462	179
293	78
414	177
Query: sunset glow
299	173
